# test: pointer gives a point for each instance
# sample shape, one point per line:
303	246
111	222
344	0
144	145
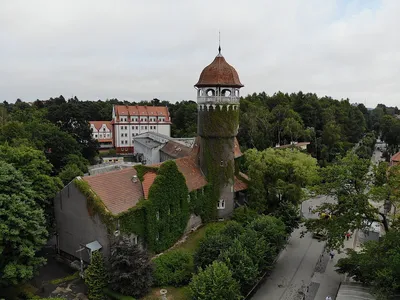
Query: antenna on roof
219	42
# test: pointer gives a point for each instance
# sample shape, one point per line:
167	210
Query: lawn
193	240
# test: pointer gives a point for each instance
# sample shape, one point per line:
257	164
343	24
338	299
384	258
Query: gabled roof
396	157
98	124
136	110
238	152
239	185
116	189
175	150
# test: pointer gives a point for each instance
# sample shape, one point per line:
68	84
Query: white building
130	121
153	148
102	132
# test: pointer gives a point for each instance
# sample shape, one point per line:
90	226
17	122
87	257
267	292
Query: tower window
221	164
210	92
221	204
158	215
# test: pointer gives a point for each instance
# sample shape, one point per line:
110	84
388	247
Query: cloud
134	50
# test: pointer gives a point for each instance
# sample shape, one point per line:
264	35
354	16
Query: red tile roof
116	189
219	73
98	124
239	185
136	110
148	180
238	153
396	157
192	173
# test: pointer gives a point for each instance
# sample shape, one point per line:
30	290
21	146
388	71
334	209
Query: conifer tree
96	277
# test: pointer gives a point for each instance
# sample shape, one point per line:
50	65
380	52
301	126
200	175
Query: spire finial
219	42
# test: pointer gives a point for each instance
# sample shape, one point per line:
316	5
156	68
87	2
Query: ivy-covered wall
167	209
217	129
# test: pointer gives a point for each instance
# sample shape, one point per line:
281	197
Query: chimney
134	178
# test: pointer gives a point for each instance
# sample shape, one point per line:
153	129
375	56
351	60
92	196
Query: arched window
226	93
210	92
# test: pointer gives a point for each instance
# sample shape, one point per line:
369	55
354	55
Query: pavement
304	270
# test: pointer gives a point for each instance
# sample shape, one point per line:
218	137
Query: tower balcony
218	99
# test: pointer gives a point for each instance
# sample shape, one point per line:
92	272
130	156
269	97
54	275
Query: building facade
130	121
102	132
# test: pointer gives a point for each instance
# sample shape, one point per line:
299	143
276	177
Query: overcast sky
140	50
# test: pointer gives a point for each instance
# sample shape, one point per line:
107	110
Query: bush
244	215
96	277
232	229
173	268
214	283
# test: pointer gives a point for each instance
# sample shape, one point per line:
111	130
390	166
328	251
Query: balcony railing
218	99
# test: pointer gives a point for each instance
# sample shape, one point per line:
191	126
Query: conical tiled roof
219	73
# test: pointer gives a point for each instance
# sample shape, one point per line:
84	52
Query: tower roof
219	73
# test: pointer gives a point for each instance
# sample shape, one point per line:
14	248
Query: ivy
218	128
95	205
142	170
134	220
167	209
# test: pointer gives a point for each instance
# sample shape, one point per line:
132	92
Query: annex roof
353	291
147	142
116	189
175	149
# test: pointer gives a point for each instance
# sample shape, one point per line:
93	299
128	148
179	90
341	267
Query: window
137	127
141	127
145	127
95	135
122	134
133	127
221	204
126	127
104	129
126	134
158	215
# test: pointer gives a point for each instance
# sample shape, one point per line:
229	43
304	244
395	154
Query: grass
172	294
193	240
116	296
65	279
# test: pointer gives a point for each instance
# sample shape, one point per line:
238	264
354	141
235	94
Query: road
296	264
301	265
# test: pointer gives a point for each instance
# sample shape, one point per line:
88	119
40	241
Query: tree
346	182
130	269
278	175
36	169
271	229
96	277
22	228
210	249
214	283
69	172
377	265
243	269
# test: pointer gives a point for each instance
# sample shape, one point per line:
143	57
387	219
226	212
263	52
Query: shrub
244	215
96	277
232	229
214	283
173	268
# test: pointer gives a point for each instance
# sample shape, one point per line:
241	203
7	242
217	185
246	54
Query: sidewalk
329	280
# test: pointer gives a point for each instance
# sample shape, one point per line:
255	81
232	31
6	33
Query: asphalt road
296	264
